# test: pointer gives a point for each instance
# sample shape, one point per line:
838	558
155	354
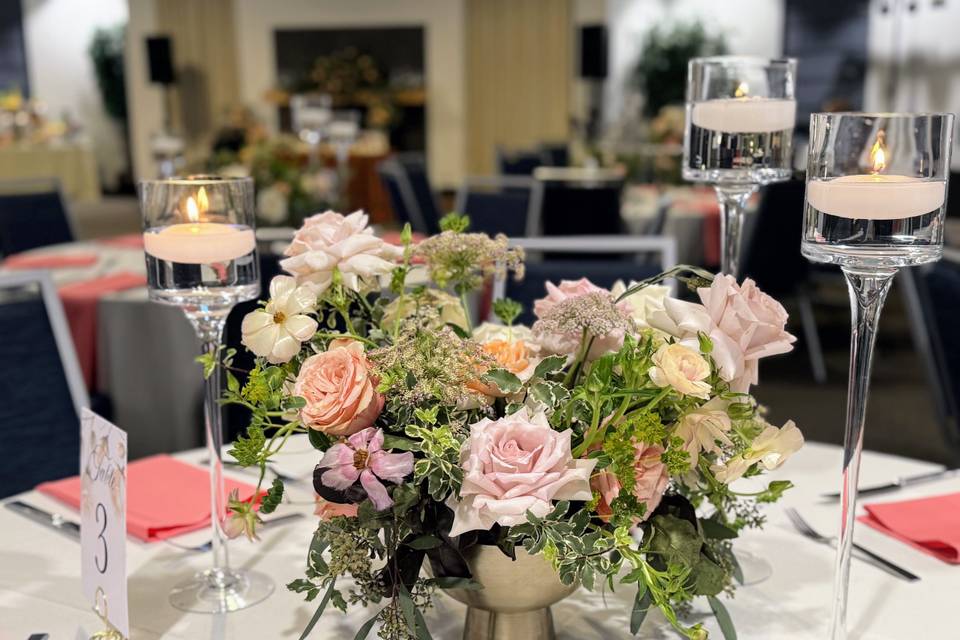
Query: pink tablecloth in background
80	306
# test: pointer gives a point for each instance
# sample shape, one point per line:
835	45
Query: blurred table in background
72	164
693	219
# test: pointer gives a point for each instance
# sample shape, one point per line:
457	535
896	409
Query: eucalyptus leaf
424	542
364	631
408	608
641	606
723	618
319	611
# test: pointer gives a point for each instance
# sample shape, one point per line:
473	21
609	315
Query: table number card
103	525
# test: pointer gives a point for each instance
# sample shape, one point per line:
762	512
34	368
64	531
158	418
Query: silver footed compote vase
198	237
875	202
740	116
514	603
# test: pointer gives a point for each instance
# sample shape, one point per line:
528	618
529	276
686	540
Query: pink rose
340	390
329	241
751	319
513	465
743	323
651	476
567	289
327	510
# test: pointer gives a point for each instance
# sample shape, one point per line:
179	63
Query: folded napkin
931	525
62	261
165	497
128	241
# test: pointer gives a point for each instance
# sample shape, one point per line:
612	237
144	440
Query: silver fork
863	553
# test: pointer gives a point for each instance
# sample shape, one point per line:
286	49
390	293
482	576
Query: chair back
580	201
501	204
42	392
405	177
32	214
933	304
603	273
518	163
771	255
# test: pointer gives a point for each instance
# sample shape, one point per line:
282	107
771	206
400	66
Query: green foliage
106	51
507	310
454	222
273	498
503	380
246	450
440	465
661	70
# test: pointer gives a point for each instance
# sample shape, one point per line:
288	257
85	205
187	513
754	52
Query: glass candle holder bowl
740	117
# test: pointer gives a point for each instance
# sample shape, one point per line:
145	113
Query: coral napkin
62	261
128	241
931	525
165	497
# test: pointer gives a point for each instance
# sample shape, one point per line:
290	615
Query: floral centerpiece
603	438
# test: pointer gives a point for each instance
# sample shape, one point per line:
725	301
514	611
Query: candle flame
878	154
202	200
193	213
743	90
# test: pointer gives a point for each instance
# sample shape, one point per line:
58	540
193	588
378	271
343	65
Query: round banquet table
40	581
140	354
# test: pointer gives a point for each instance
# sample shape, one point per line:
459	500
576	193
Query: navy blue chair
771	257
42	392
933	303
501	204
32	215
540	268
518	163
408	185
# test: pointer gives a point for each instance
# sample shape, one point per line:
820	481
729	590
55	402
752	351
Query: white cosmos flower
771	449
276	331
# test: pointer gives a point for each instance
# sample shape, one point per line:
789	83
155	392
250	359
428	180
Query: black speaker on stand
160	62
593	70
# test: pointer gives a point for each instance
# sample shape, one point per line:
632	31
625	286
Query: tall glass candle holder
875	202
741	114
198	236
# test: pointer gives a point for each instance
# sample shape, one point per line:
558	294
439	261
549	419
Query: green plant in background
106	52
661	70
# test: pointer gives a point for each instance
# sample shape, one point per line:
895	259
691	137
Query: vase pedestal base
525	625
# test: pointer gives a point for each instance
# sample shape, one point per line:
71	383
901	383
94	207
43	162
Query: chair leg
812	337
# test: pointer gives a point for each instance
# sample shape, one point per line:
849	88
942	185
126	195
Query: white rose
643	302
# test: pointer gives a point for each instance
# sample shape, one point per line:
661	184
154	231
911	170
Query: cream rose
683	369
340	390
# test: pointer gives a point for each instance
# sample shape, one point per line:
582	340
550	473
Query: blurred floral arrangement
26	121
288	187
603	438
354	78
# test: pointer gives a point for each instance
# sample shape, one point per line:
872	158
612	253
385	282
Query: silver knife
899	483
47	519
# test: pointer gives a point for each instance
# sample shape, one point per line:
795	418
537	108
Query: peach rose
682	368
340	390
651	481
567	289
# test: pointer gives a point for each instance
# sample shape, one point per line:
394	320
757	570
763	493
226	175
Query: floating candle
876	197
198	242
745	115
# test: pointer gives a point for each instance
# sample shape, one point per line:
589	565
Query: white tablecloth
40	578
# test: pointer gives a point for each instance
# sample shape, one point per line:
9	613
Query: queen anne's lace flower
562	327
276	331
330	241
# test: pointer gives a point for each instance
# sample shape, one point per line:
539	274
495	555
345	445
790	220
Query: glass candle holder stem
868	291
733	202
209	328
